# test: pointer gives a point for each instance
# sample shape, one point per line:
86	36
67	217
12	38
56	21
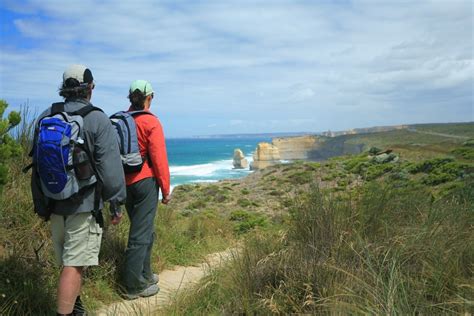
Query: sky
224	67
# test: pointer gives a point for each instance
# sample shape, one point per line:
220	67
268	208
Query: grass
457	129
385	250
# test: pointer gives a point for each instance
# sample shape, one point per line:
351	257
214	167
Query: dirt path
171	281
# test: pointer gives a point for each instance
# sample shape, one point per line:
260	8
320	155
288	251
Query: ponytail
137	99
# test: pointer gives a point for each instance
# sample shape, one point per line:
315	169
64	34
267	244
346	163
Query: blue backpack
127	138
60	156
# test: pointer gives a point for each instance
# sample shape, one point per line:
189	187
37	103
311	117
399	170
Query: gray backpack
127	138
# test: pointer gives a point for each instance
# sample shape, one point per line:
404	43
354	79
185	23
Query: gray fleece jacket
101	140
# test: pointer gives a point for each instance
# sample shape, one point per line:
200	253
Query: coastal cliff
285	148
315	148
265	155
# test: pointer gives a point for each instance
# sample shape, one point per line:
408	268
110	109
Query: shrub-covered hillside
369	234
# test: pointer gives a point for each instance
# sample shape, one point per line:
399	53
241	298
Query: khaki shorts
76	239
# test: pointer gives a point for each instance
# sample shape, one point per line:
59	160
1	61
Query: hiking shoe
78	309
149	291
155	279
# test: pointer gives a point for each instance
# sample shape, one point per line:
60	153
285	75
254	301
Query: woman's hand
166	199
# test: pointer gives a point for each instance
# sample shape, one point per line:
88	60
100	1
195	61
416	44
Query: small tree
8	146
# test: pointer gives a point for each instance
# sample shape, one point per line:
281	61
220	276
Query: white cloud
342	64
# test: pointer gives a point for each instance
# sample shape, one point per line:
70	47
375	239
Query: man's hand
166	199
116	212
116	218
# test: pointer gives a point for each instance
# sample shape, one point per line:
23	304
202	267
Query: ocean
198	160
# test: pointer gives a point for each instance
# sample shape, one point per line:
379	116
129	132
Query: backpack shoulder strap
57	107
135	113
86	110
119	114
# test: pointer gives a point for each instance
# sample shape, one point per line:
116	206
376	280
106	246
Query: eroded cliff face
287	148
265	155
296	148
312	147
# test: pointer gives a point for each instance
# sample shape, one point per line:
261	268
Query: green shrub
245	221
300	177
469	143
239	216
243	202
376	170
428	165
314	165
466	152
8	146
374	150
342	183
197	204
356	164
448	171
327	177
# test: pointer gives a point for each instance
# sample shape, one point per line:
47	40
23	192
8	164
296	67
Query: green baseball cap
143	86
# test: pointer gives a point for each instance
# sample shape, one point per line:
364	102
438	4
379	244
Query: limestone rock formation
285	148
296	148
240	162
312	147
265	155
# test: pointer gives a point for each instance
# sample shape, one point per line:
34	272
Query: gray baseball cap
76	75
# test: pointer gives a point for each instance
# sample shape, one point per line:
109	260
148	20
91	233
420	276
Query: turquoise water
207	160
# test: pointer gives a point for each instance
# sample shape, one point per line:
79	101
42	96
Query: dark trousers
142	201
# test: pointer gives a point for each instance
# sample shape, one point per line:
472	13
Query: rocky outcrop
265	155
285	148
311	147
296	148
240	162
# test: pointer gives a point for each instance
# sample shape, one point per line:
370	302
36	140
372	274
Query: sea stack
239	160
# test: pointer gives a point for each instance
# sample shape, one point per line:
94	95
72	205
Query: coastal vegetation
385	231
362	237
8	147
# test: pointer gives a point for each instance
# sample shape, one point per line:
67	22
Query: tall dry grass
383	250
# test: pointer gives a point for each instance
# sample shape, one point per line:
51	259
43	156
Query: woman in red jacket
142	194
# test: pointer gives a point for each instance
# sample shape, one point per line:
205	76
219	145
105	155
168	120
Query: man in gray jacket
76	221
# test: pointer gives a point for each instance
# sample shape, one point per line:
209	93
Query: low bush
427	166
466	152
245	221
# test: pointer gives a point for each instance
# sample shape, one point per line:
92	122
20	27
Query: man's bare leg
68	288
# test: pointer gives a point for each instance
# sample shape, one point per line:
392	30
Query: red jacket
151	141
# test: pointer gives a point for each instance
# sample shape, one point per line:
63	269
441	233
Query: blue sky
249	66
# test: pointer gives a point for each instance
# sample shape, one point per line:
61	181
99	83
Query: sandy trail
171	282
